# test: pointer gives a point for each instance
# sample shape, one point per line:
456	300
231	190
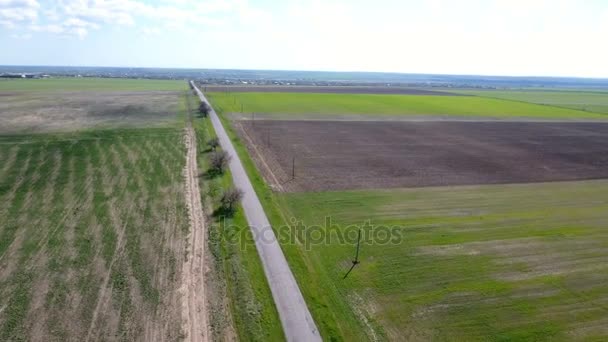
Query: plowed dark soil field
332	155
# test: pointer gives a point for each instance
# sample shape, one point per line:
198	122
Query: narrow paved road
297	322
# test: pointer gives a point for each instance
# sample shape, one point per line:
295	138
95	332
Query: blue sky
487	37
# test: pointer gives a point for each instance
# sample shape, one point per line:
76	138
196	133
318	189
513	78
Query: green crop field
91	233
590	101
93	219
94	226
88	84
475	263
298	104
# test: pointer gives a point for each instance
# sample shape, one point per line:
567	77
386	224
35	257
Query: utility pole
293	168
356	261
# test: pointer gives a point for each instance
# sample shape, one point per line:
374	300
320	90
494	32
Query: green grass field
88	84
297	104
479	263
590	101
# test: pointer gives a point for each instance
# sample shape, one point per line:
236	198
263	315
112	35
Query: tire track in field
8	163
73	195
33	182
164	162
102	297
168	246
10	196
117	180
28	180
194	302
49	190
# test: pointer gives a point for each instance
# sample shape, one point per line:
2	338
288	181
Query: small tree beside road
213	143
204	109
218	161
230	198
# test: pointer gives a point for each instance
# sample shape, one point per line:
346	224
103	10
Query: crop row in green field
586	101
294	104
91	235
89	84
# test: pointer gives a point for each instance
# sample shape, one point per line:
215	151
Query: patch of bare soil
64	111
195	321
268	165
337	155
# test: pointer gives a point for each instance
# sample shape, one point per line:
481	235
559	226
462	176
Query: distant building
22	75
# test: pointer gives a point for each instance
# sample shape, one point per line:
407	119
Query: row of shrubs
218	162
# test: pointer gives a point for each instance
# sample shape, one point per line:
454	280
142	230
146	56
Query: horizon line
312	71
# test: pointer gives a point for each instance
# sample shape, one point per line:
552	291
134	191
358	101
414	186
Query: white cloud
51	28
21	36
79	23
150	31
18	3
16	11
175	13
7	24
70	27
79	17
112	12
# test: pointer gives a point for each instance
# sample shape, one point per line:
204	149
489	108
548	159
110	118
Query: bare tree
230	198
213	143
204	109
218	161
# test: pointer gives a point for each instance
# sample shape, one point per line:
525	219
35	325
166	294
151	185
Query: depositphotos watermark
297	232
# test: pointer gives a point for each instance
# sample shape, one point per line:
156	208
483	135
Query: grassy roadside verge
334	318
235	257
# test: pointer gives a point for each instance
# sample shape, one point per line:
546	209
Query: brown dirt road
195	320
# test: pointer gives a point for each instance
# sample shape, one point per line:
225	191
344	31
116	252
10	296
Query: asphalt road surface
296	320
